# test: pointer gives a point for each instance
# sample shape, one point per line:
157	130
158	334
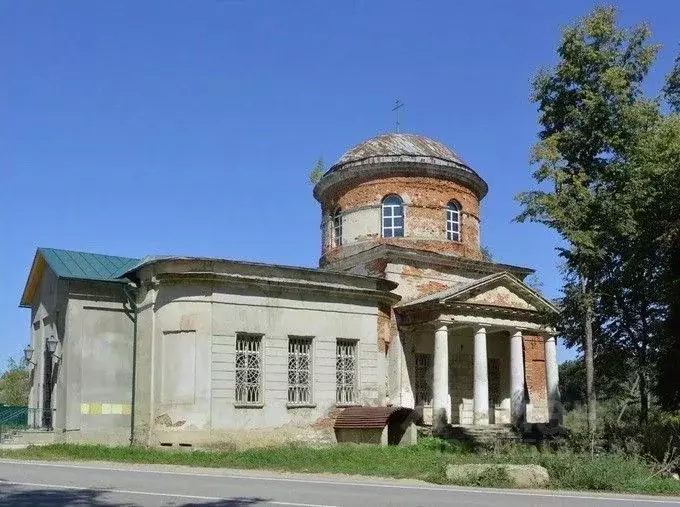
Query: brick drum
425	201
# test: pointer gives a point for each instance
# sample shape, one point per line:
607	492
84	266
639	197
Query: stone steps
493	433
27	437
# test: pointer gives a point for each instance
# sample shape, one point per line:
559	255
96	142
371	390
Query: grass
425	461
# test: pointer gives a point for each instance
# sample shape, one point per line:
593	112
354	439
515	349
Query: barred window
453	221
337	227
423	379
248	369
346	371
299	370
392	217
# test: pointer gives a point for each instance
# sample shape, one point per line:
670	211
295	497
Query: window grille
392	217
453	221
248	369
337	228
300	370
423	379
346	371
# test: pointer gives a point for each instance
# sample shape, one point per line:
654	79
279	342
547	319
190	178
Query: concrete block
522	476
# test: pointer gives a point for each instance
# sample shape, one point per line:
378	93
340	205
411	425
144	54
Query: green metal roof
86	266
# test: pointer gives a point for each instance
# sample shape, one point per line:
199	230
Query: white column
480	404
440	388
552	380
516	377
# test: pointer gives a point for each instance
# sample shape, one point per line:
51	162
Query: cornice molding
281	283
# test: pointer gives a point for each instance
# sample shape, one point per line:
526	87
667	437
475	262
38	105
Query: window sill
344	405
248	405
300	405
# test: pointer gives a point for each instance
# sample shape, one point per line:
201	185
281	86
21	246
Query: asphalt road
25	483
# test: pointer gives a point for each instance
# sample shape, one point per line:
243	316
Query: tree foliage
14	384
671	90
656	185
589	110
607	166
486	253
317	171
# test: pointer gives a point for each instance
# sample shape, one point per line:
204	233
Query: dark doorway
47	392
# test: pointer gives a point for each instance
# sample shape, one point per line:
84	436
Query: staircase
15	431
19	439
480	435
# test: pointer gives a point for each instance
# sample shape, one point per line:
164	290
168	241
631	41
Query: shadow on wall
20	497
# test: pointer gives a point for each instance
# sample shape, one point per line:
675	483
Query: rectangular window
453	224
393	220
299	371
248	369
337	229
423	379
346	371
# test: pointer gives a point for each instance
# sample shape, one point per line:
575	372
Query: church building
403	311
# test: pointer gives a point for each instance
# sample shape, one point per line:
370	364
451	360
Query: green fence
12	416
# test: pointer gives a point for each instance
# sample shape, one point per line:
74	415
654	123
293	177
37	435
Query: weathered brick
534	368
425	201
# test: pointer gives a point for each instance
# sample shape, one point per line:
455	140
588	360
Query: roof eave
378	167
386	285
29	288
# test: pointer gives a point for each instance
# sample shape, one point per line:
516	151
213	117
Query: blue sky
175	127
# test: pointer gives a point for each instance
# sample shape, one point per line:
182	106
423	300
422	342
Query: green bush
658	440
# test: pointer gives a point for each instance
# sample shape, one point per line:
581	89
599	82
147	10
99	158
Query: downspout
128	289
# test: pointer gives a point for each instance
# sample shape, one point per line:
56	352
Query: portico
485	336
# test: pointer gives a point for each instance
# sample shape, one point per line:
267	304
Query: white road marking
577	496
151	493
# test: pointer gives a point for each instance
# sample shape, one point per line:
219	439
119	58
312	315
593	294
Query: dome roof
394	145
399	154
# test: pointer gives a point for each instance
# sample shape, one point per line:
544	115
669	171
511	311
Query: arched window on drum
392	217
337	227
453	216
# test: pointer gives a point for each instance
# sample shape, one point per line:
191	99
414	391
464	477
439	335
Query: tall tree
586	109
654	189
665	148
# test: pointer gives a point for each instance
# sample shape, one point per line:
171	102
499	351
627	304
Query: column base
480	419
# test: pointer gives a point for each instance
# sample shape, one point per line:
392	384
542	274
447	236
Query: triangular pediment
501	296
499	290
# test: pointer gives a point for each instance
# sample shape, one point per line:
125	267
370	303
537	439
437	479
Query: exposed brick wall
534	369
425	200
386	327
327	420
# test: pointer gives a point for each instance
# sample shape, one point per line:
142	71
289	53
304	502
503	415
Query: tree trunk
644	391
588	356
642	365
644	398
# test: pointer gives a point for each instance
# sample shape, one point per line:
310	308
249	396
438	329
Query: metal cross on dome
397	106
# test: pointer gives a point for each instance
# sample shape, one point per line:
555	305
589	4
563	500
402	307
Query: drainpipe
129	294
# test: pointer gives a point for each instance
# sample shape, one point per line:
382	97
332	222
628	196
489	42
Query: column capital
440	324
